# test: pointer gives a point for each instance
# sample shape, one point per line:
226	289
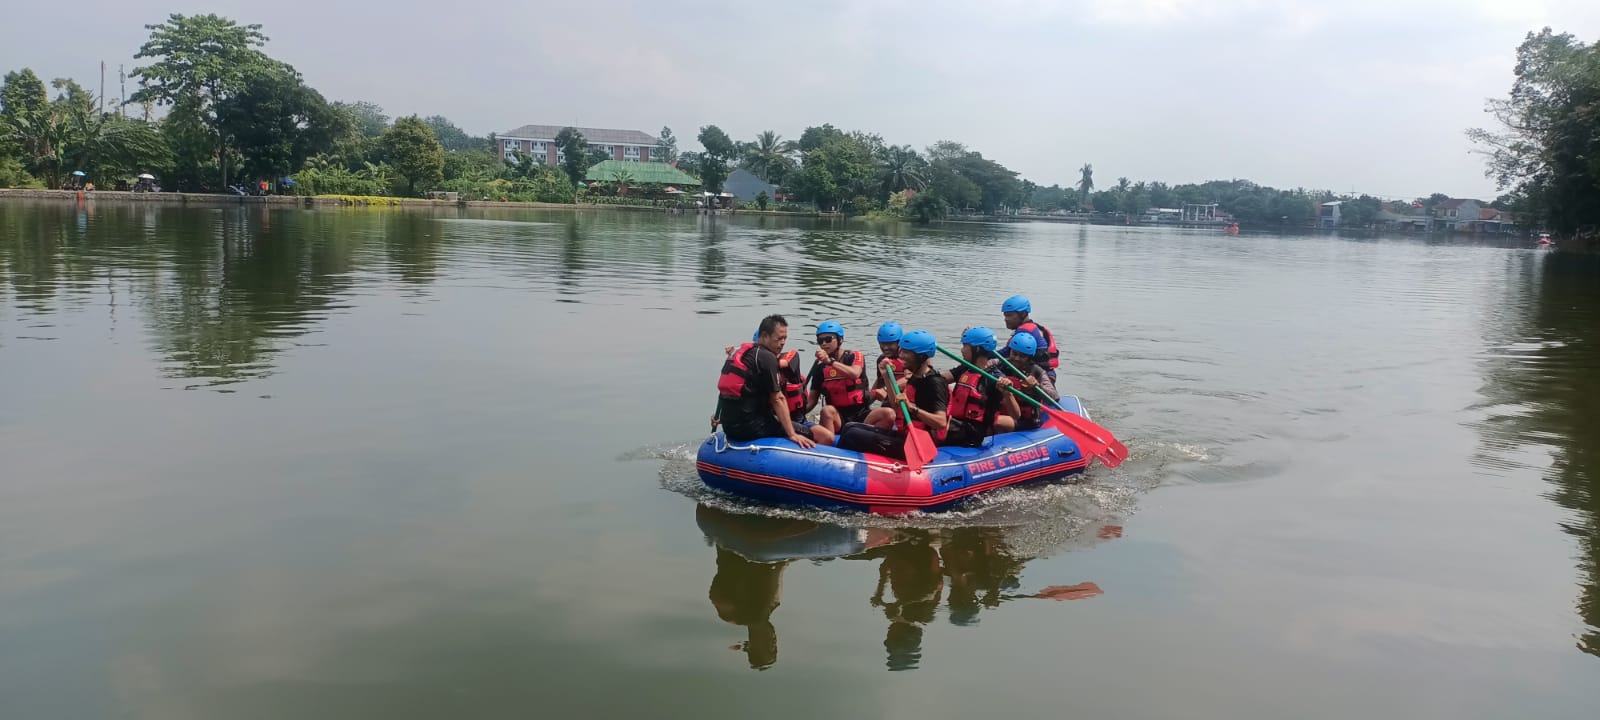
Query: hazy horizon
1369	97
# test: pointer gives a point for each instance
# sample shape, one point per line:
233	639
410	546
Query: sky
1367	96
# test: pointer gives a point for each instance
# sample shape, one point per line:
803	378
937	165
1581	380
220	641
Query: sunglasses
827	339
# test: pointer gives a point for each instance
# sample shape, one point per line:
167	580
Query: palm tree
1086	182
621	178
769	155
901	168
1123	184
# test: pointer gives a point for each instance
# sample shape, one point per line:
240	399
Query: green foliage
836	167
71	133
486	165
1085	182
901	168
769	157
574	154
13	175
927	207
454	139
367	118
198	60
666	149
1547	149
762	199
277	123
596	156
337	180
1359	212
414	153
719	149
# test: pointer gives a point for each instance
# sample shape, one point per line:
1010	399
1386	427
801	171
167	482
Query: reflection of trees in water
968	569
1554	395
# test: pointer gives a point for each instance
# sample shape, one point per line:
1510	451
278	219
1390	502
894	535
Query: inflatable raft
776	470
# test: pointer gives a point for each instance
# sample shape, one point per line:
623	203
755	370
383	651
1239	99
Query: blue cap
829	327
981	338
920	342
1023	343
890	332
1016	303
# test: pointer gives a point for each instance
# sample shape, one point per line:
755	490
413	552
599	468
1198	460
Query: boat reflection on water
966	569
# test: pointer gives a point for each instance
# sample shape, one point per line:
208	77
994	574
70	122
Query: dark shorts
853	414
965	433
762	427
865	438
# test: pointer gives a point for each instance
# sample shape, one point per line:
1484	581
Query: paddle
1093	440
919	444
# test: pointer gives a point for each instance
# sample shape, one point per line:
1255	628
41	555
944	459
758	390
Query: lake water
273	463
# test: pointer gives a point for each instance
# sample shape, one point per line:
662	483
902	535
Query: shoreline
337	201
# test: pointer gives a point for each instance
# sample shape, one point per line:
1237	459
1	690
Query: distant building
539	142
1328	214
1458	214
744	186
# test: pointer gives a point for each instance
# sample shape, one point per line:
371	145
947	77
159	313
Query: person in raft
926	397
1035	381
794	386
750	391
839	378
889	335
979	407
1016	309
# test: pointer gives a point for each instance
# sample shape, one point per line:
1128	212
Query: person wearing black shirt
926	396
979	407
750	392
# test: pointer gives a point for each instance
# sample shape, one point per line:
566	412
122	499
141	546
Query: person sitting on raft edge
840	378
750	391
794	389
926	396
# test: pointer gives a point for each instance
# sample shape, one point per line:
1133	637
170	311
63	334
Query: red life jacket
1049	351
967	400
794	384
734	383
911	401
841	391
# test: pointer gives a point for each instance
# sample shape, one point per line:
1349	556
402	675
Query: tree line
231	113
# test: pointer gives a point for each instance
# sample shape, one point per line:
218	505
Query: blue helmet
890	332
1023	343
755	336
829	327
920	342
1016	303
981	338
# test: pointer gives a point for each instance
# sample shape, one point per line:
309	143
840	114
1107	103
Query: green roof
643	173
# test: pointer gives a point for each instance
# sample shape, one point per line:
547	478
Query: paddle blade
919	448
1095	441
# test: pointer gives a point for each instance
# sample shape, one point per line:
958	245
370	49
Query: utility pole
102	87
122	95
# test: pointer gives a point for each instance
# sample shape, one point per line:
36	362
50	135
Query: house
1495	222
1458	214
539	141
1328	214
745	186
